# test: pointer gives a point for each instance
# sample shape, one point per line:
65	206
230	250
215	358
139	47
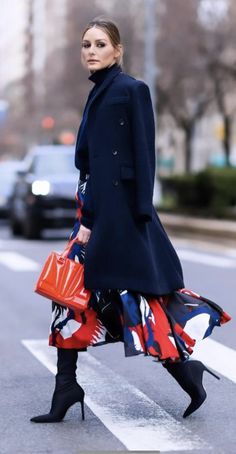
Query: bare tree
197	67
182	85
218	49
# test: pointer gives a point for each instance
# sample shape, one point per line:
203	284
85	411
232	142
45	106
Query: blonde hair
111	29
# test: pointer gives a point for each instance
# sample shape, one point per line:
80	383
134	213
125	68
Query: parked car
8	172
44	193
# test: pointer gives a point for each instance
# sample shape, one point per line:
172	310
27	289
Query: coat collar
99	76
102	78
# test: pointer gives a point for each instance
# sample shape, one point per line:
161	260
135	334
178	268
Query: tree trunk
227	137
188	129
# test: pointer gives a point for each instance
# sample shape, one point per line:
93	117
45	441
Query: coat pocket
127	173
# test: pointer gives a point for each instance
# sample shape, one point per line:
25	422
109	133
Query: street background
27	384
185	51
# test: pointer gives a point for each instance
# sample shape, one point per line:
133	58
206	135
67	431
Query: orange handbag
62	280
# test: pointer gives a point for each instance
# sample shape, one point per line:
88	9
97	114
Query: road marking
18	262
217	356
202	244
231	253
136	420
206	259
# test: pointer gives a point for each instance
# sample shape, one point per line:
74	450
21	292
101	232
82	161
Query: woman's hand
83	234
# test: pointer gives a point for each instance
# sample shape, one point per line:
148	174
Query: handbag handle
69	247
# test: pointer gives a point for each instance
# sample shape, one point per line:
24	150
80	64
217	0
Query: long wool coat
128	247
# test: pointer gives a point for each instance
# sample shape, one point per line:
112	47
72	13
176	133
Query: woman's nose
91	49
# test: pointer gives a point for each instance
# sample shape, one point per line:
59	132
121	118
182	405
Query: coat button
115	182
114	152
121	121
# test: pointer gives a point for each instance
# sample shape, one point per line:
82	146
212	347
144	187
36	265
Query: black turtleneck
99	75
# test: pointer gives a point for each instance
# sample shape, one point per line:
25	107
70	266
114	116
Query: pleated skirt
166	327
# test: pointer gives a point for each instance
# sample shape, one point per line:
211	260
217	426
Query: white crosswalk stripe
217	356
18	262
206	259
137	421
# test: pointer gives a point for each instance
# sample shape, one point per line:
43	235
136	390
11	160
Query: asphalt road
131	403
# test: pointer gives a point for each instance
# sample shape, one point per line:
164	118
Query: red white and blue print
165	327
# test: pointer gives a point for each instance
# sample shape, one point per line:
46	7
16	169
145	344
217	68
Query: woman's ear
119	53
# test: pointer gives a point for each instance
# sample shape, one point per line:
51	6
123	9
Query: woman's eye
88	45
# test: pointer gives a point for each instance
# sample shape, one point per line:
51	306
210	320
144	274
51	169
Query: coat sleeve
87	208
143	139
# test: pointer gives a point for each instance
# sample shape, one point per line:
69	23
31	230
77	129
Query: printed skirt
165	327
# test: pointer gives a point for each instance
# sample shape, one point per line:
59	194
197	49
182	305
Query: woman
138	294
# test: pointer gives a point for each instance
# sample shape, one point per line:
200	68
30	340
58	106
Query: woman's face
97	50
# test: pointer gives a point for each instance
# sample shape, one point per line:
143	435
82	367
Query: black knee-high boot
67	391
189	376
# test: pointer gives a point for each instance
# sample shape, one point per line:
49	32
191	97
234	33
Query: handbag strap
69	246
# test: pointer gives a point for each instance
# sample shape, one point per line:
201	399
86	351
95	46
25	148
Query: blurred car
8	172
44	193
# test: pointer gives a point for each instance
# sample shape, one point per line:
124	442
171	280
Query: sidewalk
212	228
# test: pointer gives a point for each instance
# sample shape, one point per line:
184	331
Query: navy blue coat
128	247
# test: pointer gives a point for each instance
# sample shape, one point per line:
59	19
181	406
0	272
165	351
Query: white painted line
206	259
9	245
217	356
137	421
18	262
204	246
231	253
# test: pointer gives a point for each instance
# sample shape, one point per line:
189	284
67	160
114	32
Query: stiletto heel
212	373
82	408
67	391
61	402
189	375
